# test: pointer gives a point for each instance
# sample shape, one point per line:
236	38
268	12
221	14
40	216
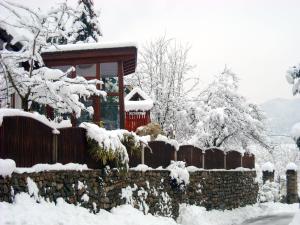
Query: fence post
143	156
291	184
268	172
203	159
54	148
225	166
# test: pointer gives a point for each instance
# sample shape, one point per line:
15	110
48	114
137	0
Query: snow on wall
89	46
268	166
291	166
7	167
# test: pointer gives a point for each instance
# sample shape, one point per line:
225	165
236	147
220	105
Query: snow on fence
28	142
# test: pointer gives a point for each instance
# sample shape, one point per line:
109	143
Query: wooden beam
121	94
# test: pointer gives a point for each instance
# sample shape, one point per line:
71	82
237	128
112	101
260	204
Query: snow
24	208
141	105
291	166
33	190
268	166
172	142
7	167
49	167
141	167
179	172
296	219
4	112
89	46
85	198
193	168
194	215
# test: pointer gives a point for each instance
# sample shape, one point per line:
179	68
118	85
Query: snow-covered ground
25	210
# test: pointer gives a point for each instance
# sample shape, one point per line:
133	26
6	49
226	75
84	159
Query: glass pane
85	116
110	84
86	70
110	112
109	69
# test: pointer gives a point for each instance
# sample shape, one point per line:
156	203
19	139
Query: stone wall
151	191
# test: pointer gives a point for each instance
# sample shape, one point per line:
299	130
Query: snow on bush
291	166
179	174
110	145
7	167
268	166
33	190
269	192
49	167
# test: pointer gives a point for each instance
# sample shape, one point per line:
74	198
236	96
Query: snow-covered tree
24	71
90	31
162	72
293	77
226	120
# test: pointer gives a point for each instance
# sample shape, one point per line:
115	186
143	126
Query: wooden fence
29	142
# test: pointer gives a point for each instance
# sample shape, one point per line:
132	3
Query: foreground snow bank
296	219
7	167
194	215
26	210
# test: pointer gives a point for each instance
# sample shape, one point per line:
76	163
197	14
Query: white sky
258	39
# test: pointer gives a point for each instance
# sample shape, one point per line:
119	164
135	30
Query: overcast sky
258	39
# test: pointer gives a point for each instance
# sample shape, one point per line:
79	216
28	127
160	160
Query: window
85	116
86	70
109	76
110	112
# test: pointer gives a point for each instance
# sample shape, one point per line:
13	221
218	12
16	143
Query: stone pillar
268	172
291	185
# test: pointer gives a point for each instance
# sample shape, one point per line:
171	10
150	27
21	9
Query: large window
110	112
109	76
86	70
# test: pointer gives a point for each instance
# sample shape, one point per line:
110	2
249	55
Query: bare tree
164	73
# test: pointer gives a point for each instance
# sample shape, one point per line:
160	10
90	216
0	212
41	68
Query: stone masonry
291	187
151	191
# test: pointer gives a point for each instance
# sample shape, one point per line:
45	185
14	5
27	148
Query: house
107	62
137	106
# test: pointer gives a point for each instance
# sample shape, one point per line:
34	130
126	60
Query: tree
90	31
225	119
24	71
293	77
162	72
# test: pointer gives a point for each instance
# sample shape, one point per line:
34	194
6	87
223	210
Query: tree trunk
25	104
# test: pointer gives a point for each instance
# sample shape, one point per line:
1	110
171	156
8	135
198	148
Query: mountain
282	114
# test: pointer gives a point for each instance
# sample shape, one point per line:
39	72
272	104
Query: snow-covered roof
141	105
17	112
89	46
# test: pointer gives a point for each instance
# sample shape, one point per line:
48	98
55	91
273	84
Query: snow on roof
141	105
17	112
268	166
89	46
291	166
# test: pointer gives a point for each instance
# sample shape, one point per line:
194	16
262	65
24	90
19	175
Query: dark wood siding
233	160
248	161
191	155
214	159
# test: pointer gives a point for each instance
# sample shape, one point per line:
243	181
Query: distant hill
282	114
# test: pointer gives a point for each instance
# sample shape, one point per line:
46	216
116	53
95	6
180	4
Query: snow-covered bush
179	174
269	192
7	167
112	146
